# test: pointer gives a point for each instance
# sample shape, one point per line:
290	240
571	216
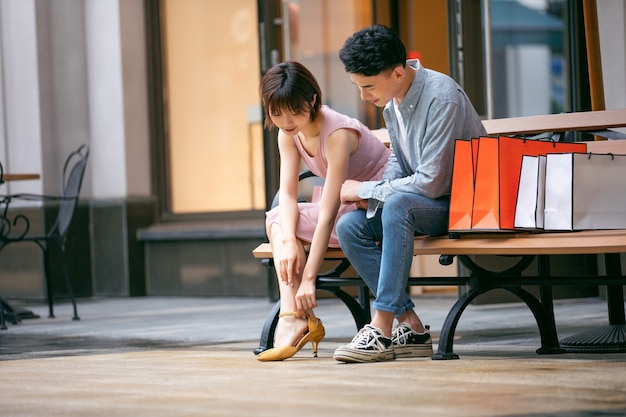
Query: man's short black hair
373	50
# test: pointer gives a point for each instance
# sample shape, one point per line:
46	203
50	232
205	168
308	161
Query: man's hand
350	191
361	204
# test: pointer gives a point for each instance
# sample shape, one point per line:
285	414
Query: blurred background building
165	92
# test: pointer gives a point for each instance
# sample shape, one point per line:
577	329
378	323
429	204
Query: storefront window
212	112
215	151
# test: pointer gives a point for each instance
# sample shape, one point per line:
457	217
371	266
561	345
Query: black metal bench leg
610	338
549	341
615	293
544	318
446	338
547	330
3	324
364	301
360	316
269	328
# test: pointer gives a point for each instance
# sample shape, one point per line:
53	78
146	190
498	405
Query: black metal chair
18	229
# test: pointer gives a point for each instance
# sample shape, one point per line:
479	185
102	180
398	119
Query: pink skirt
309	215
307	221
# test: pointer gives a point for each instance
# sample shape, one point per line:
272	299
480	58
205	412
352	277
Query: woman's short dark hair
290	86
373	50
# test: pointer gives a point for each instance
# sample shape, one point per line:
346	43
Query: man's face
379	89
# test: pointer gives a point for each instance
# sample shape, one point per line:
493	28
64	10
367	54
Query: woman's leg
289	328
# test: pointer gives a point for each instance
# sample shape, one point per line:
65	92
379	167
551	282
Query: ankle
383	327
289	329
416	326
410	317
384	321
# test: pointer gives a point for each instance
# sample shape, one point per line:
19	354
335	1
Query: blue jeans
381	248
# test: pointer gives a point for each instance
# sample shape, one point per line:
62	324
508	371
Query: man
425	112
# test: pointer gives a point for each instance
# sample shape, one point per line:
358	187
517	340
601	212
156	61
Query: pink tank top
367	163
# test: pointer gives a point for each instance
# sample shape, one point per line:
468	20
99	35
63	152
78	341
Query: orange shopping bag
498	167
462	193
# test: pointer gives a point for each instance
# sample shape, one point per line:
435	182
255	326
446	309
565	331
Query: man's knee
396	206
344	226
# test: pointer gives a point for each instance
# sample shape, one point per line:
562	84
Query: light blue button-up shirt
436	111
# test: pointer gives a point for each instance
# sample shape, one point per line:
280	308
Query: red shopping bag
498	167
462	193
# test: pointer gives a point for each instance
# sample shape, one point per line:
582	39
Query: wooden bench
523	245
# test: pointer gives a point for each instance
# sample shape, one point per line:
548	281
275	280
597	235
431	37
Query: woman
334	147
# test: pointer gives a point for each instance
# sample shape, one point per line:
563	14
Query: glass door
314	32
527	57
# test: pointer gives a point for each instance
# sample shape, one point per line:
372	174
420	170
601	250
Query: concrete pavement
187	356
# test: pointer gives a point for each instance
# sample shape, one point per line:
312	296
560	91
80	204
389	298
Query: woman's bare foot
289	330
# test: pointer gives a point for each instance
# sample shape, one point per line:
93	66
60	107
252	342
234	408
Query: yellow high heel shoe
315	335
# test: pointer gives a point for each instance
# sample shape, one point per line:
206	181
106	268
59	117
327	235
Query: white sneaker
369	345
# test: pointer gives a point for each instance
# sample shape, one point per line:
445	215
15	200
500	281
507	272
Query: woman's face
289	122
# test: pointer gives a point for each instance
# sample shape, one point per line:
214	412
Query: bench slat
582	242
264	251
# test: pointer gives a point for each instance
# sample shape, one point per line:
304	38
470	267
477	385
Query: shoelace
366	337
401	335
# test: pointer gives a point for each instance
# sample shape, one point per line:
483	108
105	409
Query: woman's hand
288	263
305	297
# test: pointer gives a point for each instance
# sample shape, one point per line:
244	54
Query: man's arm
432	176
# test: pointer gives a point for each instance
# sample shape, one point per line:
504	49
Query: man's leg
403	216
359	239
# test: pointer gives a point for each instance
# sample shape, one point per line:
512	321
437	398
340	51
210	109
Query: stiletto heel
314	346
315	334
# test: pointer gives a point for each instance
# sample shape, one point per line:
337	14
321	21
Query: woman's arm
339	146
287	259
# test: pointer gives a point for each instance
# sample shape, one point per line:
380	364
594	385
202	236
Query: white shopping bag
585	192
529	207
